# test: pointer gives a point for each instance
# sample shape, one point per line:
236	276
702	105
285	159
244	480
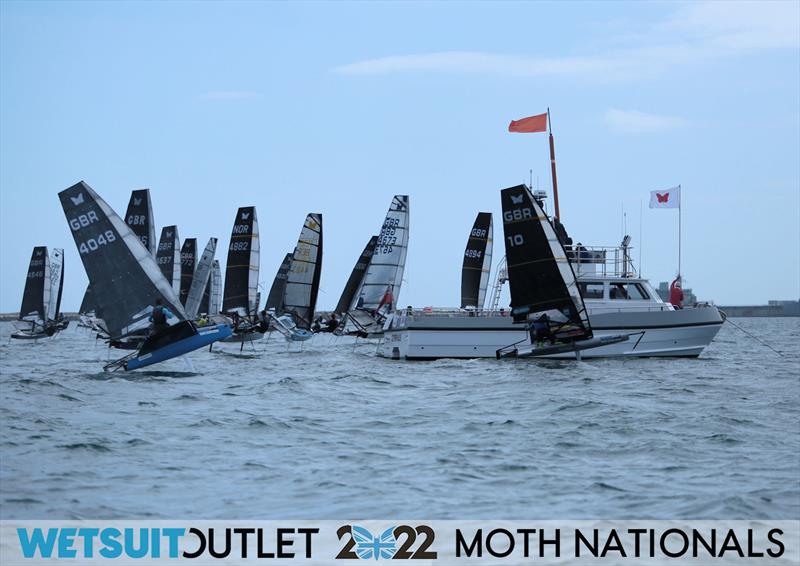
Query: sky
333	107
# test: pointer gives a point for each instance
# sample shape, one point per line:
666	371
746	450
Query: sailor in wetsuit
540	330
159	317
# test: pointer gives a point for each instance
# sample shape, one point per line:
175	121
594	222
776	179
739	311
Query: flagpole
553	165
680	204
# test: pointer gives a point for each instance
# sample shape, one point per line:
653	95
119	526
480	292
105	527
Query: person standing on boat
676	293
159	317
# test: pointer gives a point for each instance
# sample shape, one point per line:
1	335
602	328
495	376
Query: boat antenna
553	165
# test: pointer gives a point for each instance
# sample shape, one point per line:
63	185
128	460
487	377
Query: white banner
422	542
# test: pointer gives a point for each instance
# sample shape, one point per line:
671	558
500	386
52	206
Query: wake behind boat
127	282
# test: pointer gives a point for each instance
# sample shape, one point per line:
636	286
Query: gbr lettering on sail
90	244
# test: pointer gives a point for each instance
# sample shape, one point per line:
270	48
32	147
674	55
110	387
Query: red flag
530	124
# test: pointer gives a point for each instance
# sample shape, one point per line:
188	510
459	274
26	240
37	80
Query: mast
553	165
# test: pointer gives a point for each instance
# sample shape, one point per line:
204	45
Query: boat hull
204	336
670	333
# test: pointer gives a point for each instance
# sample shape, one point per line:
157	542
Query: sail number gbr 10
91	244
515	215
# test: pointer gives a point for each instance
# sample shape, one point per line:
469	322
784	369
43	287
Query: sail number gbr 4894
91	244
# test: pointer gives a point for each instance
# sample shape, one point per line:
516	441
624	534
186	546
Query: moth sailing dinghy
126	282
188	264
302	284
40	314
477	263
168	257
354	284
544	290
380	288
240	298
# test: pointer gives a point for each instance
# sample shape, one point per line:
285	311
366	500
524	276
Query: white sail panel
384	277
201	278
215	295
56	280
302	281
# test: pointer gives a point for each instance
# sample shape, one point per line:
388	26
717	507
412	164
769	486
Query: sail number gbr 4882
91	244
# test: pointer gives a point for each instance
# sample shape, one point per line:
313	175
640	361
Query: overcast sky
334	107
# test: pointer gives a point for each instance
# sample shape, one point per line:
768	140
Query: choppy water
334	432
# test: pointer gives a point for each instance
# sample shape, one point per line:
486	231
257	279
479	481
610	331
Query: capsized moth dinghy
544	290
126	282
40	313
240	298
302	283
380	288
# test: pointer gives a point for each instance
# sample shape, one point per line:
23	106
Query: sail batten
124	277
541	279
303	276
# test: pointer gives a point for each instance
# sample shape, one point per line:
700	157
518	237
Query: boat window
618	291
628	291
637	292
591	290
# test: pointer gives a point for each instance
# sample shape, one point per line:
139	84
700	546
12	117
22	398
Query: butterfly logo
38	253
517	199
245	215
662	198
77	200
137	201
369	546
168	234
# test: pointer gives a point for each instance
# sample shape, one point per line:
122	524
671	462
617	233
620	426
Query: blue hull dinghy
179	339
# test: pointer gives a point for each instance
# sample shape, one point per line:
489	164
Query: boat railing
451	312
602	261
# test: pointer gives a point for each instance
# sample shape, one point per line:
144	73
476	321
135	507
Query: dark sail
188	264
356	276
124	276
168	256
241	272
36	297
477	262
302	282
87	304
275	297
139	217
540	276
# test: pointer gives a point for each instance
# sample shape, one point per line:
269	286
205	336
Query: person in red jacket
676	293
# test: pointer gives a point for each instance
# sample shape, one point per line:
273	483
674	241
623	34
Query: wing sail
241	271
477	262
540	276
302	281
123	275
36	296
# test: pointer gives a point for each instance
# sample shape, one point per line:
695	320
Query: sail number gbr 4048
91	244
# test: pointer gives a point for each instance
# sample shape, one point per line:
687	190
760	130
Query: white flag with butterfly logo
668	198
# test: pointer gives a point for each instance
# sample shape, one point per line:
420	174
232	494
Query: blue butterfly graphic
369	546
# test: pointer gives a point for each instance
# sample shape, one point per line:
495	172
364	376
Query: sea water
332	431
